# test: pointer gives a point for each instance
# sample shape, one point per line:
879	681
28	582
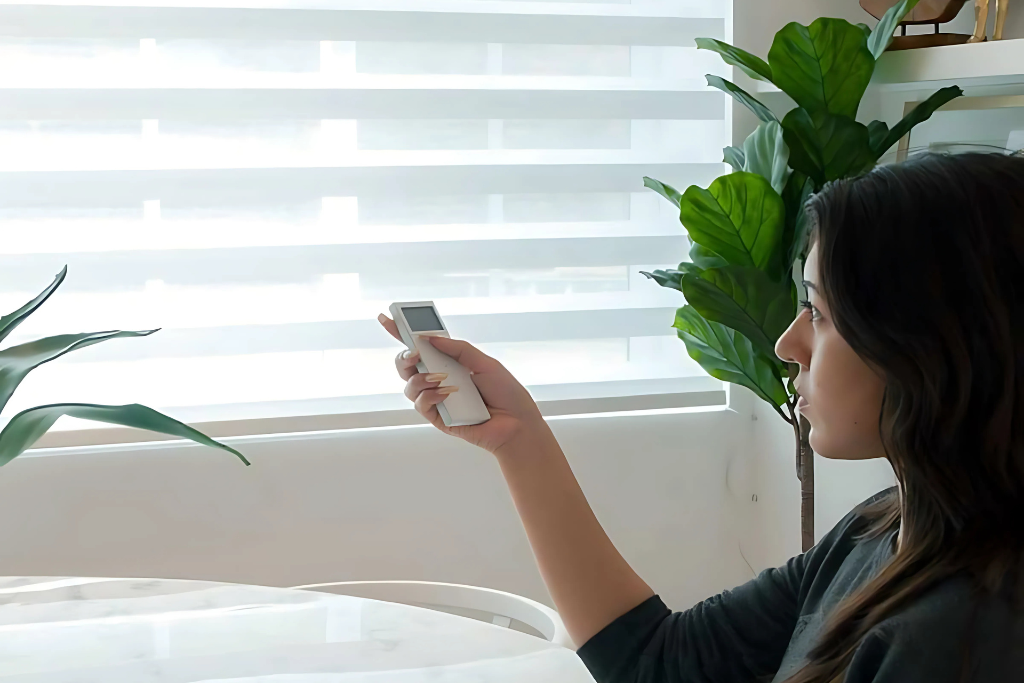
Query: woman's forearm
590	582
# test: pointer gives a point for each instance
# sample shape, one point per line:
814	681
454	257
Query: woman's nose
790	346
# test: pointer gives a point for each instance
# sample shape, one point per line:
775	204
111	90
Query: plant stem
805	474
806	485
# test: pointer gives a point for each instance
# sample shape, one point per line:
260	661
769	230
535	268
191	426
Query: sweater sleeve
738	636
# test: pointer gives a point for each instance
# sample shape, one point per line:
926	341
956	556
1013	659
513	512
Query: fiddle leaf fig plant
748	229
16	362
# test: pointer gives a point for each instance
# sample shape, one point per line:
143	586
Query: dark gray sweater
764	629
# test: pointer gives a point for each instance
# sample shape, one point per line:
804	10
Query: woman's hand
514	414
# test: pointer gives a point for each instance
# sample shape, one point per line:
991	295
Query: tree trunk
805	473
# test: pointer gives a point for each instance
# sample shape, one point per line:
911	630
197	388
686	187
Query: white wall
386	504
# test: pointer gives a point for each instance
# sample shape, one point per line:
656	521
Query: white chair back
503	606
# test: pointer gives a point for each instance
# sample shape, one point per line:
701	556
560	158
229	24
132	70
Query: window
261	181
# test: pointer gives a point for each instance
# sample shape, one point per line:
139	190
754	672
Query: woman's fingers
421	382
405	363
390	326
464	353
426	404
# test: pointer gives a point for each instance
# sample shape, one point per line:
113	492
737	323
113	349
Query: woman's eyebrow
809	285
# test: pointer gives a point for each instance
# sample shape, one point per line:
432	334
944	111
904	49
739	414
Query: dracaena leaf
28	426
12	320
17	361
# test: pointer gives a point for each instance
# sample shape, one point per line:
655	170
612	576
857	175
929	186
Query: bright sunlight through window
260	179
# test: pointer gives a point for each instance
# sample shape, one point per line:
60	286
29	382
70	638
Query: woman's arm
588	579
590	582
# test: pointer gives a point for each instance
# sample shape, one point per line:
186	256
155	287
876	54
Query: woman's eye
815	313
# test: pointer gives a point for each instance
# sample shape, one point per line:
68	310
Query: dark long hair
922	266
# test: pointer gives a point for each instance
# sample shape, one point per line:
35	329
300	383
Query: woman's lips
802	403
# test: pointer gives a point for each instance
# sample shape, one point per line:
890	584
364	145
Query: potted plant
16	362
748	229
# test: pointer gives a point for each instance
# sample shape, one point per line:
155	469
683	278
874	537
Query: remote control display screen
422	319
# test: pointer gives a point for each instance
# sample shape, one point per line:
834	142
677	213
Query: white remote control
418	319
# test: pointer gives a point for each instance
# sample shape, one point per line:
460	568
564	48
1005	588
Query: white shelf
979	64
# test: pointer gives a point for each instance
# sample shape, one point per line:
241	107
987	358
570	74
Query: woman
911	348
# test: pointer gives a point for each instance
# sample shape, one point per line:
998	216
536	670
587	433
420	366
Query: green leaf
17	361
766	154
734	157
742	96
12	320
881	37
744	299
26	427
753	66
672	279
669	279
739	217
667	191
794	239
920	114
824	67
877	132
705	258
827	147
729	356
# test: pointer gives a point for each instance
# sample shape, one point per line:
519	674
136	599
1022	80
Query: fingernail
381	318
447	390
410	354
436	376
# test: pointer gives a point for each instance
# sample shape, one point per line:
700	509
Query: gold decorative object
981	8
937	12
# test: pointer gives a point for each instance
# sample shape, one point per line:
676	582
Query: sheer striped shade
261	179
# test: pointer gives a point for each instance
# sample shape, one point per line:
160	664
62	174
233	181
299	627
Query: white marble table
79	630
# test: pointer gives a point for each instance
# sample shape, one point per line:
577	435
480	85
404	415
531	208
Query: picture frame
1005	106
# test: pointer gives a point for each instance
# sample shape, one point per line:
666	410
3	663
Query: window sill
300	418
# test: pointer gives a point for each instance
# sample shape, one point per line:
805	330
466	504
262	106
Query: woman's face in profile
842	395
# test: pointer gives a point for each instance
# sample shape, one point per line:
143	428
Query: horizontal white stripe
69	239
561	172
497	22
414	97
649	8
215	322
247	386
164	158
132	269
